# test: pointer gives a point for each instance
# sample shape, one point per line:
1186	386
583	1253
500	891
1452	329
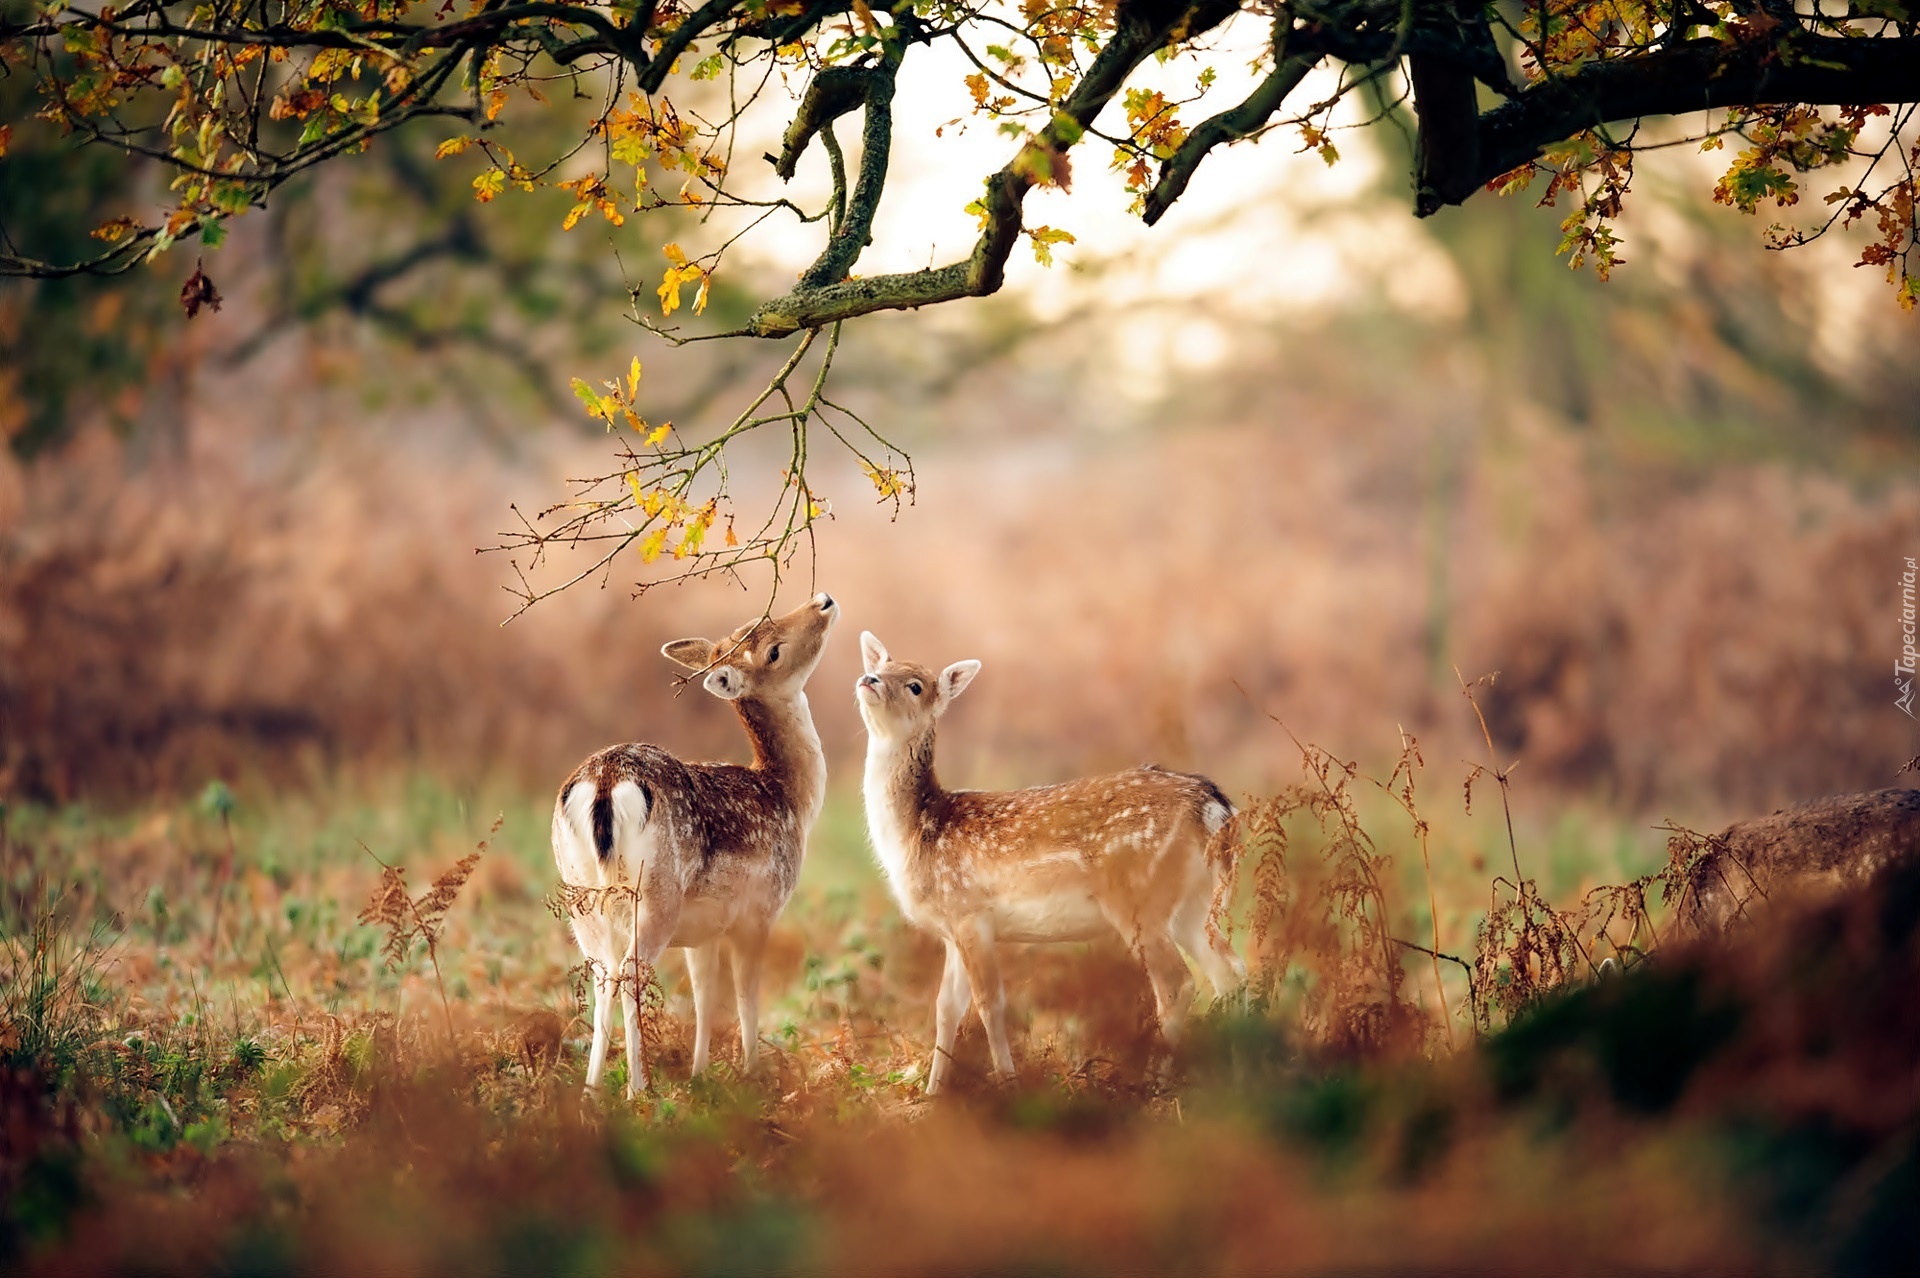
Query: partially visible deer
1812	849
707	853
1130	853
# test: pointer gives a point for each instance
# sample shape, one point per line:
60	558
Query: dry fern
1336	921
406	920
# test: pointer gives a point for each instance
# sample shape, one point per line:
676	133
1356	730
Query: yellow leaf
574	215
488	185
700	299
888	483
669	291
652	544
452	146
633	482
731	539
659	433
670	283
633	377
112	231
1044	238
675	254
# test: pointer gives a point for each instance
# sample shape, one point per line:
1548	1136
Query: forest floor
212	1066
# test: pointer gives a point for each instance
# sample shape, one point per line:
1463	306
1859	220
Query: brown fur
1810	849
1127	853
709	852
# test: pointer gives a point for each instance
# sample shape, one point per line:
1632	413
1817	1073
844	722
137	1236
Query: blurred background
1291	454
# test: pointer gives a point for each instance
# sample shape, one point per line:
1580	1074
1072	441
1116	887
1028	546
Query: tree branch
1230	125
1140	28
833	93
1693	76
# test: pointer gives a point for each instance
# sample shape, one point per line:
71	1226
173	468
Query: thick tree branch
1449	47
1139	28
833	93
1447	148
1697	75
1228	126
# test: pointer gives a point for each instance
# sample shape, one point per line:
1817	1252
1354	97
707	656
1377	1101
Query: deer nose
824	602
870	681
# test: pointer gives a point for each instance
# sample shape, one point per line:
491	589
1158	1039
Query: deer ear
726	683
694	654
954	680
873	653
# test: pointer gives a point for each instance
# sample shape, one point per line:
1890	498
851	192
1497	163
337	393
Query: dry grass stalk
1524	948
573	900
407	920
1399	786
1339	925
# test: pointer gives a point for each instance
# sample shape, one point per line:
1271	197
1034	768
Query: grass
144	883
271	1095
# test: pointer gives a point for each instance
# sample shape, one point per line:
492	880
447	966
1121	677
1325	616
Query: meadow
249	660
214	1067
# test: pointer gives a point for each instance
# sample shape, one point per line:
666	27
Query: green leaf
596	406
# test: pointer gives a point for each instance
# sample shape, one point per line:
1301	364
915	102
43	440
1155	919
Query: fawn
697	855
1130	853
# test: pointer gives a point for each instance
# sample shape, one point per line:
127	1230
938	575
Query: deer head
899	699
768	660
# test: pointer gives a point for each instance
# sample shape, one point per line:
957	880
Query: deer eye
914	687
773	654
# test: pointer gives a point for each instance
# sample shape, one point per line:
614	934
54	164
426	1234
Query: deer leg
1225	970
1151	943
703	970
949	1007
749	946
982	966
602	1023
652	930
1172	982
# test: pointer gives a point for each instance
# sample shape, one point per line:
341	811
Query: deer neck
787	748
902	795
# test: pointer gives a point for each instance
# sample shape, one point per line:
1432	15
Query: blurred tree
1714	356
233	99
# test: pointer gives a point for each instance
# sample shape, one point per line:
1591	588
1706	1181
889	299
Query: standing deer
1127	853
697	855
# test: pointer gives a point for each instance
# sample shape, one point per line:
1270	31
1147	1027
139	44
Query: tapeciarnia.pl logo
1903	668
